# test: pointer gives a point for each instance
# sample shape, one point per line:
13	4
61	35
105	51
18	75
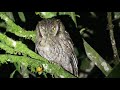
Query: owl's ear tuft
38	31
62	27
56	27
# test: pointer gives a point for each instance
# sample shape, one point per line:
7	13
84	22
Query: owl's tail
75	65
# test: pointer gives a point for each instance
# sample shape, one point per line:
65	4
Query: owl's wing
38	38
74	61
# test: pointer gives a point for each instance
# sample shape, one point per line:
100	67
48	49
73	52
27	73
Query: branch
17	47
33	64
16	29
110	27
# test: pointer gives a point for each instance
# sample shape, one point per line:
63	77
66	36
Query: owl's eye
53	29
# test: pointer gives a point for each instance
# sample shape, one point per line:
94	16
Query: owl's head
50	27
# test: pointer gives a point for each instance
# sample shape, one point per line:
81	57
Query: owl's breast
57	51
50	49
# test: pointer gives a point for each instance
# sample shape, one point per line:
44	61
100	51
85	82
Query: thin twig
110	27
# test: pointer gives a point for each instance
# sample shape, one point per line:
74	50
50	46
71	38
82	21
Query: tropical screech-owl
54	44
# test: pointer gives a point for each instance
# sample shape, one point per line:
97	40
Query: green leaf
22	16
24	71
86	65
71	14
12	74
53	14
10	15
97	59
116	15
115	73
17	65
93	14
51	68
46	14
3	24
16	29
45	74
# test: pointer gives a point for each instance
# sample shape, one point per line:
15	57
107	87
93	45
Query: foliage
27	61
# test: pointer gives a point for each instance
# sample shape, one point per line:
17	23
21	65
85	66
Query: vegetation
95	37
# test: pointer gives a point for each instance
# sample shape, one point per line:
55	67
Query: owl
54	43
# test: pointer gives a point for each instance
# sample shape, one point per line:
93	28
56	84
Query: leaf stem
110	27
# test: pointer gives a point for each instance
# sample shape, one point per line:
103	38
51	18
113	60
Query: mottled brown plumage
54	44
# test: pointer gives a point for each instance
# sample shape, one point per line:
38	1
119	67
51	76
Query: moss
28	57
